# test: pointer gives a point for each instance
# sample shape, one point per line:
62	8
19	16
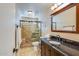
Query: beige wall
70	36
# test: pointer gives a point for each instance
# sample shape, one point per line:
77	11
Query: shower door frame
16	27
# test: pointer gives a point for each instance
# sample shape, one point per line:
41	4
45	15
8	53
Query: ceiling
43	10
34	6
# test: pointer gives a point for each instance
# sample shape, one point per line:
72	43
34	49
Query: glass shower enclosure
30	29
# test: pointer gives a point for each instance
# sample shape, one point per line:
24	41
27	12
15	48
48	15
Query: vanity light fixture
29	12
56	5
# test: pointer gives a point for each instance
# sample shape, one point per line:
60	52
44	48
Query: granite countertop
62	48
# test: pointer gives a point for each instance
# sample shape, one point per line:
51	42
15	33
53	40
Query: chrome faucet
58	37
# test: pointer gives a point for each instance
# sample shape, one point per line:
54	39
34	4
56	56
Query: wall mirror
66	19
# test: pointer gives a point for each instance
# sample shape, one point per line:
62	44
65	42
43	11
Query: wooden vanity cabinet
47	50
52	52
57	53
43	52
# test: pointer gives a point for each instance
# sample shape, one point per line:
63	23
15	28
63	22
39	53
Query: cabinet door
48	50
43	51
57	53
52	51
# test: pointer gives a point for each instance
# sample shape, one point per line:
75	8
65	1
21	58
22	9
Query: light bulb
53	7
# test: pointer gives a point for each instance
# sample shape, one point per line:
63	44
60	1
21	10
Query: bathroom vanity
59	47
48	50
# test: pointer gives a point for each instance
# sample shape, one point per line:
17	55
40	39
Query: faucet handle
58	35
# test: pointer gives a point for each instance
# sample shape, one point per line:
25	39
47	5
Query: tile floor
28	51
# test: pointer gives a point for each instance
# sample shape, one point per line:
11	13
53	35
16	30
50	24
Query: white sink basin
54	42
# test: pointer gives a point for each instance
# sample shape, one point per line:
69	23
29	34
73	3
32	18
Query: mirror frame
66	8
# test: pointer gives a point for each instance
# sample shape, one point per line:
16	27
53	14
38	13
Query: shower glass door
30	31
33	29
